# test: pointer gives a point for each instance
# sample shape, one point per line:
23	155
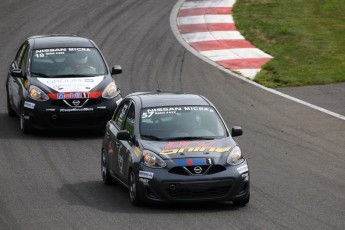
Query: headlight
152	160
110	91
235	156
37	94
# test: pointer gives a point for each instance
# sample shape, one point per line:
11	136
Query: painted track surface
52	181
208	27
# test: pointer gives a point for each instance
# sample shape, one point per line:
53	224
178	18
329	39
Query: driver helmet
80	58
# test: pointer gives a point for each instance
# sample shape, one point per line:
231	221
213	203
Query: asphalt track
52	181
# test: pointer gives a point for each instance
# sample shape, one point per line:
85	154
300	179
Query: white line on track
204	19
205	4
218	55
173	25
211	36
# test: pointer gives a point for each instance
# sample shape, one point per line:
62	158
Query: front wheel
107	179
25	125
133	189
10	111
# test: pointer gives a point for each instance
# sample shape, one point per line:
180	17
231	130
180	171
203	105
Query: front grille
191	194
216	169
69	102
189	170
178	170
197	169
77	119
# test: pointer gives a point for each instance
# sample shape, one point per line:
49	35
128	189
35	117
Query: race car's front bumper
231	184
46	115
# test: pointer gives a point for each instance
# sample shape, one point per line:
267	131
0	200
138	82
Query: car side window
130	120
24	60
120	114
20	54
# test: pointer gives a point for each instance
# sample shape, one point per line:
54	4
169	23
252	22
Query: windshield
58	62
181	123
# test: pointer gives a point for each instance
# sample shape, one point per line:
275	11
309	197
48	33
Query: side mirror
123	135
16	73
116	69
236	131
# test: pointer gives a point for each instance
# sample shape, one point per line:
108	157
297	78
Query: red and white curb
208	27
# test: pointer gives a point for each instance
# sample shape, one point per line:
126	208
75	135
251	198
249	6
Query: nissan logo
197	169
75	102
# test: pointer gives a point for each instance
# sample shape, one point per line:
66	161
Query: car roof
59	41
160	99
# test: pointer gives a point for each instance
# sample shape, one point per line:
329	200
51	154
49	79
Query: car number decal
194	161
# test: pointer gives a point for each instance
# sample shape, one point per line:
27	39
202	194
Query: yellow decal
196	149
137	151
189	146
26	84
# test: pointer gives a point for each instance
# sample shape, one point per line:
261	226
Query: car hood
76	84
189	149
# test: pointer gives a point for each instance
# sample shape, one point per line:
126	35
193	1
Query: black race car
173	147
61	82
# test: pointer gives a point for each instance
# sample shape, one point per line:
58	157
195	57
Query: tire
106	177
10	111
242	202
25	125
133	189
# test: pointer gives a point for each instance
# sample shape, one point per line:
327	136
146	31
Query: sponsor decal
76	110
120	160
144	181
169	110
137	151
51	50
51	110
145	174
26	84
118	101
245	176
64	85
186	146
29	105
242	169
194	161
41	53
197	108
46	52
79	49
101	107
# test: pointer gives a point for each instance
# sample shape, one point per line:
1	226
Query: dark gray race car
173	147
61	82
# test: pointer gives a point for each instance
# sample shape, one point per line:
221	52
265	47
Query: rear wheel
107	179
133	189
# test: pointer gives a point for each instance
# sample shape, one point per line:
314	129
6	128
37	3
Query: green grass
305	37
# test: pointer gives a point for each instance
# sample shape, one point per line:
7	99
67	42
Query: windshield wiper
152	137
40	74
190	138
